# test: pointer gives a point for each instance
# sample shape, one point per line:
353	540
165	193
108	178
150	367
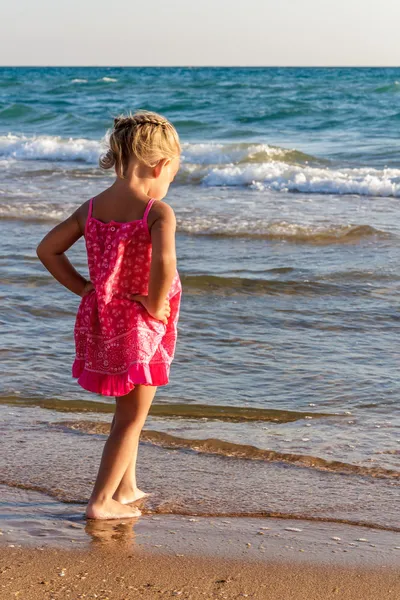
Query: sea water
284	392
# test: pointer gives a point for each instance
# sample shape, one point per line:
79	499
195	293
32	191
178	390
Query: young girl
126	324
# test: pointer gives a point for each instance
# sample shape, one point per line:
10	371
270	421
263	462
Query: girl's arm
163	257
51	252
163	262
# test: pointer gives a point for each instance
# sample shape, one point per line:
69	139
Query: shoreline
49	550
34	519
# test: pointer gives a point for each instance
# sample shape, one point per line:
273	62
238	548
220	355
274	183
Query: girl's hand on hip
88	288
161	315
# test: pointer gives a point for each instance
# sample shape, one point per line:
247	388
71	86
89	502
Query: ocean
284	392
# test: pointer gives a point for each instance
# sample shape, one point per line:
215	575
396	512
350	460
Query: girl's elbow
39	250
166	259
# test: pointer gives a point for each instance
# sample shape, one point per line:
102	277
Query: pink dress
118	343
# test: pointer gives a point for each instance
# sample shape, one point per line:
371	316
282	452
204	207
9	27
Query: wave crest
209	225
280	230
242	451
258	166
48	147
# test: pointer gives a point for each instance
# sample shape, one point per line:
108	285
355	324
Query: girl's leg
130	415
127	491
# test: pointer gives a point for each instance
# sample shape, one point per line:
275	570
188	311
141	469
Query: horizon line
205	66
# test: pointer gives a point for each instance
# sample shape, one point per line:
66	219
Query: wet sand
49	550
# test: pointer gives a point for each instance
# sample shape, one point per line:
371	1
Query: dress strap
148	207
146	212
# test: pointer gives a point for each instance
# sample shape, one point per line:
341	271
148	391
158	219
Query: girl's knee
134	426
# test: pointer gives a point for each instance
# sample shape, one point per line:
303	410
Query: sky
201	33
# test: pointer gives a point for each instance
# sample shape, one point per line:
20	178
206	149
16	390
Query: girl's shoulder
81	214
161	214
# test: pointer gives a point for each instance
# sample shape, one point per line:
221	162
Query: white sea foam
79	81
109	79
281	177
47	147
231	165
193	156
258	166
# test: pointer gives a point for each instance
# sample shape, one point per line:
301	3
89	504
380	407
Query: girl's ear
162	163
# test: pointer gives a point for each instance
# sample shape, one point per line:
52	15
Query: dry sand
33	574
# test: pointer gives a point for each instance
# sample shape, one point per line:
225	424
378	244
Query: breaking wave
259	166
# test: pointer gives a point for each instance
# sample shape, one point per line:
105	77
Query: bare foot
111	509
128	497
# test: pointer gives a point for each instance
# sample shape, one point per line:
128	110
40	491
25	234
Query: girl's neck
131	188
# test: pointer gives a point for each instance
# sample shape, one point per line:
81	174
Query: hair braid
145	135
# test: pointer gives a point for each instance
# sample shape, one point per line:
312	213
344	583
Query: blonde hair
146	135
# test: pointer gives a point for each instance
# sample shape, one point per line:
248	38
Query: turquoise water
287	207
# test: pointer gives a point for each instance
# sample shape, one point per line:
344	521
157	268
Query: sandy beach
34	574
49	550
